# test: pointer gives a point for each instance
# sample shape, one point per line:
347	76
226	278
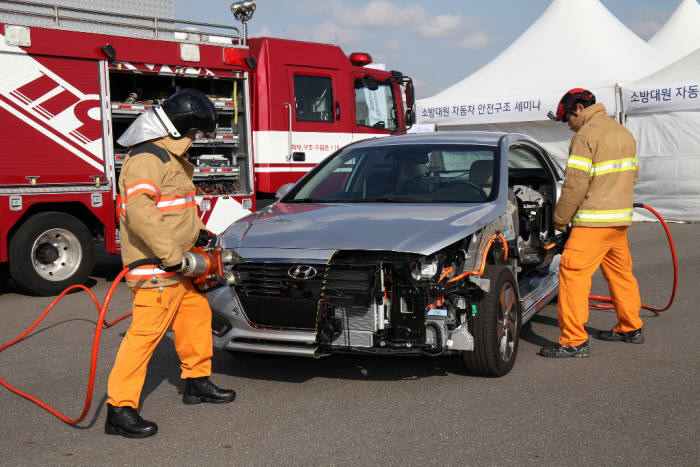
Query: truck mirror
370	82
410	116
410	97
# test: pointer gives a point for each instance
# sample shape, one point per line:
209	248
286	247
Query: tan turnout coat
157	209
598	190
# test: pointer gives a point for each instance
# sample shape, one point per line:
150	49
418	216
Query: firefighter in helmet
158	219
596	199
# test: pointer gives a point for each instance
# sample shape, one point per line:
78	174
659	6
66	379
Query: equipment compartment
222	163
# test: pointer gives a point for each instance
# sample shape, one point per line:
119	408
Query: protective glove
204	238
174	268
562	227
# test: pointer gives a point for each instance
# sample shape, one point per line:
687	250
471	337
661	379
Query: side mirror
283	190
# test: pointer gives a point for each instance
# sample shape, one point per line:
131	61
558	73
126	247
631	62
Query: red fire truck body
66	96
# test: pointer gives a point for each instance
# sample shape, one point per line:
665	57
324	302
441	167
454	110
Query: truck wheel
50	252
496	326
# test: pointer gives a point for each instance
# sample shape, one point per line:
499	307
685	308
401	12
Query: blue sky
437	42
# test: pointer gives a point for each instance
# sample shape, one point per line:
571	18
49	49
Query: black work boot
633	337
127	422
563	351
198	390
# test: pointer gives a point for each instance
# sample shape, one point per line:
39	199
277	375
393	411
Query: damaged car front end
408	245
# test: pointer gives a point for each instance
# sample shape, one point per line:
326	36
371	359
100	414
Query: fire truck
73	79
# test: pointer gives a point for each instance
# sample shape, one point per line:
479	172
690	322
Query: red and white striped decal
283	167
42	99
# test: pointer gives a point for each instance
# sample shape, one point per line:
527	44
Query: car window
519	158
403	173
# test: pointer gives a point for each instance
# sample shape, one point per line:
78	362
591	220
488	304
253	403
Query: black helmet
188	110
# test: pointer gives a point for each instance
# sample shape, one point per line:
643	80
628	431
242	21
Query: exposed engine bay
378	301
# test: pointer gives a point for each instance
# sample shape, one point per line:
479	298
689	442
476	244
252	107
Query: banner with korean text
499	110
661	97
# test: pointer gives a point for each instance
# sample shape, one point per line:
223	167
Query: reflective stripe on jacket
598	190
157	210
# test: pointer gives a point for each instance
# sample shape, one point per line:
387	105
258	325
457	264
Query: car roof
445	137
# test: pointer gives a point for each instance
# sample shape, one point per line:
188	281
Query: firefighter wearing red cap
596	199
158	219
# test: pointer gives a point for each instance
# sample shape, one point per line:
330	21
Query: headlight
424	269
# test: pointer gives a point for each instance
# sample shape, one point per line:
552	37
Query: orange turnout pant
586	250
179	307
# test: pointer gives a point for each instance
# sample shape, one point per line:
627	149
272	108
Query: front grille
271	298
261	279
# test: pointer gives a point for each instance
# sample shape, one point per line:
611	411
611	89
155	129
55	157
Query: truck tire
496	326
50	252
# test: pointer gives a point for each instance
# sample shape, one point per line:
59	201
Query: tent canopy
575	43
681	33
663	112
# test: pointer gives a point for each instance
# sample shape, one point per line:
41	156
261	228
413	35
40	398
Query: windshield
446	173
375	108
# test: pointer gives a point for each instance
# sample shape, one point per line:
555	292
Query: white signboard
661	97
497	110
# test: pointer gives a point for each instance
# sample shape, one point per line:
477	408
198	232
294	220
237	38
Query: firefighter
158	218
596	199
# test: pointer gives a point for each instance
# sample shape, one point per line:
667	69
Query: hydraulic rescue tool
204	265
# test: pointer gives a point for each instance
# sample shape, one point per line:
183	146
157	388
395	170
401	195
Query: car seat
481	174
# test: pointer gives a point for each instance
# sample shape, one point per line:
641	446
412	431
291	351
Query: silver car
429	244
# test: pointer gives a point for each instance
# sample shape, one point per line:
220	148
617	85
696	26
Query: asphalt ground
624	405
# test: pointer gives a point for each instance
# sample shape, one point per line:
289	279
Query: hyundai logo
302	272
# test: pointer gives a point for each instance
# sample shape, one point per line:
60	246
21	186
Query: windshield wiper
305	200
389	199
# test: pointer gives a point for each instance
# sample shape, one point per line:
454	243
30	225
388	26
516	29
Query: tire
50	252
496	326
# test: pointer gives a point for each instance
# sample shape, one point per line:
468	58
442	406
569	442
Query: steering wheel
471	186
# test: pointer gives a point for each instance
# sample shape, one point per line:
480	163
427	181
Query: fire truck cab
72	80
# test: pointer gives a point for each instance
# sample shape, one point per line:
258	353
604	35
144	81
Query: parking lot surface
625	405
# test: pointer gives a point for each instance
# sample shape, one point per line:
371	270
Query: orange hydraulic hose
480	271
102	310
599	298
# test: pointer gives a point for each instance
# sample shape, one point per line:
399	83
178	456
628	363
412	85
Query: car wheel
496	326
50	252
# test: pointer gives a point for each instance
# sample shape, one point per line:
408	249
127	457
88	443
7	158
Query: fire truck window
375	108
313	98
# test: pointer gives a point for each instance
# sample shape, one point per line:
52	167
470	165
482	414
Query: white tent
663	112
681	33
575	43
